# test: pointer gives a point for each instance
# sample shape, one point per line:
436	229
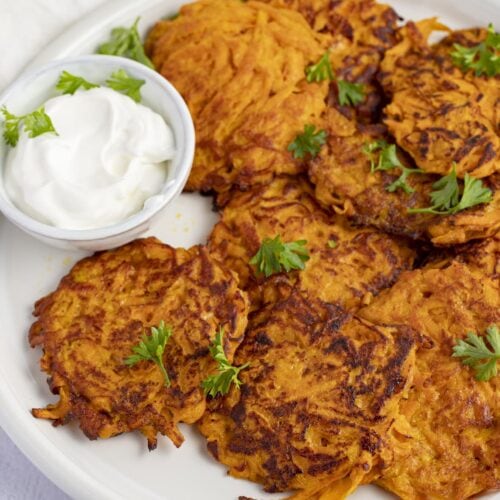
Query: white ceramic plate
122	468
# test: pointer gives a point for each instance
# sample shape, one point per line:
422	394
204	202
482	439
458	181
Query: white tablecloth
25	27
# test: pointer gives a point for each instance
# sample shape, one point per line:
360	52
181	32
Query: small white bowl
32	89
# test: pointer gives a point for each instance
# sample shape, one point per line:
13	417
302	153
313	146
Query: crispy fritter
438	114
240	68
100	310
316	402
362	30
474	223
365	21
483	256
344	182
361	263
446	443
489	87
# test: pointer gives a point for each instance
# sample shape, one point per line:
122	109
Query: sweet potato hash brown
446	441
87	327
488	87
483	256
437	114
345	183
361	31
347	265
320	394
244	85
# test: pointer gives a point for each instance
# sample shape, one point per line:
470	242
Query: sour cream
111	154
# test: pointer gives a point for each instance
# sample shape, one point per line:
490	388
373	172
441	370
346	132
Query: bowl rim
174	186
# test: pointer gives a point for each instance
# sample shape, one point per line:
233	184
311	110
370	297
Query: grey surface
19	479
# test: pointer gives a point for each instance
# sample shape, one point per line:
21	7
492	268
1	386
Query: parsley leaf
350	94
152	348
220	383
126	42
474	193
122	82
69	84
445	192
309	142
36	123
320	71
478	355
11	127
446	198
332	244
483	58
388	160
274	255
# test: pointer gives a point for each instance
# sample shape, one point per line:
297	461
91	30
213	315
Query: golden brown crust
438	114
482	257
87	327
361	31
475	223
446	441
361	263
244	84
344	182
487	86
320	393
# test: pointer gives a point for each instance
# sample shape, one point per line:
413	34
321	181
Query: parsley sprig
36	123
320	71
383	156
478	355
349	94
69	84
220	383
126	42
151	348
273	256
122	82
446	198
308	143
483	58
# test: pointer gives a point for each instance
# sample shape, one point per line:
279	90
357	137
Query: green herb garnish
151	348
350	94
308	143
69	84
122	82
126	42
220	383
478	355
36	123
383	156
446	198
274	255
332	244
320	71
483	58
